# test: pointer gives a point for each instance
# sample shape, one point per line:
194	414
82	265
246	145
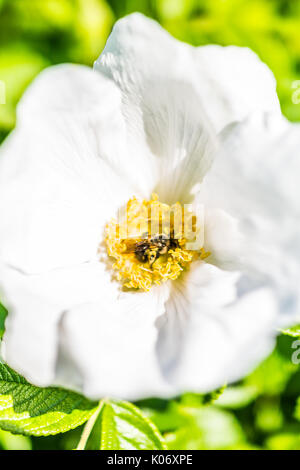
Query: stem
89	426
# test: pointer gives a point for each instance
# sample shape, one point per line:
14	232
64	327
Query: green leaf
3	313
118	425
213	397
29	410
190	424
167	415
273	374
197	399
293	331
236	397
209	428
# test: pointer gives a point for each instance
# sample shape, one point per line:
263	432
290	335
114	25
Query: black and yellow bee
148	250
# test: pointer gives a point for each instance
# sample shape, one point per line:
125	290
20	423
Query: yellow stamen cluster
140	260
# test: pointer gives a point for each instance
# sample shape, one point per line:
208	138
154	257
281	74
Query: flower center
152	242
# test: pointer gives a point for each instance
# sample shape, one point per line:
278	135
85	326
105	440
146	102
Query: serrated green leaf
29	410
119	425
294	331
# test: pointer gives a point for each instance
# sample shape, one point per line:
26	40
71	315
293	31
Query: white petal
158	80
68	89
255	180
223	239
174	95
224	348
73	90
233	83
203	284
36	304
114	347
207	340
58	185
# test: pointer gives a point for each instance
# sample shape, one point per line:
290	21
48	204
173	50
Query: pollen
151	242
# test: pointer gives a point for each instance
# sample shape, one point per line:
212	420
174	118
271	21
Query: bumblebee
149	249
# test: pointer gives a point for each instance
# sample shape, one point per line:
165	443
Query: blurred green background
262	412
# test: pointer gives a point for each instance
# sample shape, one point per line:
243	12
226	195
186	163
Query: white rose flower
158	122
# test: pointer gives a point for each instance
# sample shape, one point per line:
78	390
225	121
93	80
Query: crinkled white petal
58	184
233	83
112	345
158	80
208	336
174	95
255	180
36	304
